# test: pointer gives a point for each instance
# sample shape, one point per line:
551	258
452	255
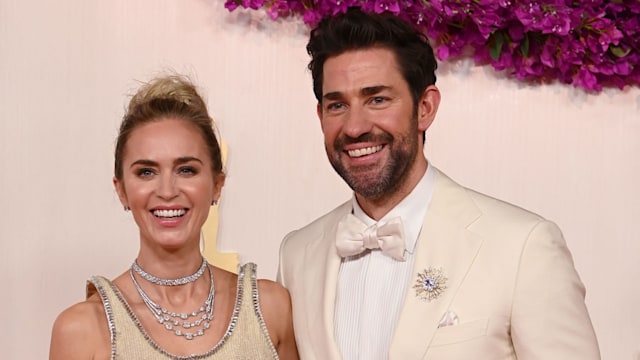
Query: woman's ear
122	194
218	183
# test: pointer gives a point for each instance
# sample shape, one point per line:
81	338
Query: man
415	266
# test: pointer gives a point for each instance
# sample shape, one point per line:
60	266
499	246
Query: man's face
372	128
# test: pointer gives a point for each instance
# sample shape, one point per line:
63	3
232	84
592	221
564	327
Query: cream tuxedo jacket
511	282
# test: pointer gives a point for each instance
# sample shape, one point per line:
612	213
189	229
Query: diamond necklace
173	321
169	282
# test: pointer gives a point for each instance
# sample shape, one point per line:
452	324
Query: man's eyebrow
372	90
334	95
369	90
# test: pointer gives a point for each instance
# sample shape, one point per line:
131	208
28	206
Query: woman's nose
167	188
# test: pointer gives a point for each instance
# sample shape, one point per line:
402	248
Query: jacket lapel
444	243
321	298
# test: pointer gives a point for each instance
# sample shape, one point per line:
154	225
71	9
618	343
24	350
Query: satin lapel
444	243
322	294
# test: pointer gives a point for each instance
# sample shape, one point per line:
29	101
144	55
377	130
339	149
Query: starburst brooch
430	284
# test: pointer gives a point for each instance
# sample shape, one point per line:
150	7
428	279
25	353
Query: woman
171	304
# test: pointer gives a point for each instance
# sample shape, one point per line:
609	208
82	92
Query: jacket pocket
459	333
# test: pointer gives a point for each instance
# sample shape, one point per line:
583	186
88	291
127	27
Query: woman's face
168	183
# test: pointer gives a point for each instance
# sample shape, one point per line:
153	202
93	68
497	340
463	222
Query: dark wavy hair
355	30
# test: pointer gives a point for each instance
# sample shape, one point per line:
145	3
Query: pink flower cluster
587	43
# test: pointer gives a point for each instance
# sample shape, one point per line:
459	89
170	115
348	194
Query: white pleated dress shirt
372	286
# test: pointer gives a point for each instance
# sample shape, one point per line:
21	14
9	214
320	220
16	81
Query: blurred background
67	68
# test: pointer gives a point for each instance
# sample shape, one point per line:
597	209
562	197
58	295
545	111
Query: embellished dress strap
255	327
100	285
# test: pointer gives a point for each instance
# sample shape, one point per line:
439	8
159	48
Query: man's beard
376	185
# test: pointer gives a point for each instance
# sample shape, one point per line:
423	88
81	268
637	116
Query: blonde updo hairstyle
171	96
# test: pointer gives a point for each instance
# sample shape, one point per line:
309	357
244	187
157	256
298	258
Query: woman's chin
173	241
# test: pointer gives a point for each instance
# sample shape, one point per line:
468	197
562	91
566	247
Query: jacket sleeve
549	317
280	275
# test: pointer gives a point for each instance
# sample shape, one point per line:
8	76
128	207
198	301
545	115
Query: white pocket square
449	318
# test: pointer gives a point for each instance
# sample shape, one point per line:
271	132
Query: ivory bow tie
354	237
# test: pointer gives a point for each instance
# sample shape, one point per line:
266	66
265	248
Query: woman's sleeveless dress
246	336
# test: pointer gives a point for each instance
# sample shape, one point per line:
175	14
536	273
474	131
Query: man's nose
356	122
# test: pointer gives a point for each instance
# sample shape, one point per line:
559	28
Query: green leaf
524	46
496	41
619	51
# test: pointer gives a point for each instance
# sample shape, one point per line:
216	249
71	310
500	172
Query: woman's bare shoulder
275	305
272	291
80	330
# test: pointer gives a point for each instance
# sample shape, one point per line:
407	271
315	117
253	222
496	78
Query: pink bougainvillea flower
586	43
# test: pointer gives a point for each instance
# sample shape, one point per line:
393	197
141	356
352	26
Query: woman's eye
144	172
187	170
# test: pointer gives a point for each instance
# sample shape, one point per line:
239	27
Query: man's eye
335	106
378	100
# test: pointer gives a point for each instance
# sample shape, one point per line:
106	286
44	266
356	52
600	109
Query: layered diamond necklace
186	324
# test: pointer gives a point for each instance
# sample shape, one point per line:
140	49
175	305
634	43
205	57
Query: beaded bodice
246	336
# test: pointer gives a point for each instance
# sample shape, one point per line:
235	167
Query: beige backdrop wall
65	70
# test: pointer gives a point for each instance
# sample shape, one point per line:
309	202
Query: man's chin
370	187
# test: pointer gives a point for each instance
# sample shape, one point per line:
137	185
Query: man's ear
428	107
319	112
122	194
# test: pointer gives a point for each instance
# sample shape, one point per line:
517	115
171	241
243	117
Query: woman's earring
126	208
214	202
